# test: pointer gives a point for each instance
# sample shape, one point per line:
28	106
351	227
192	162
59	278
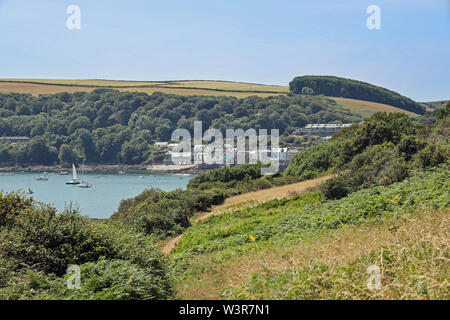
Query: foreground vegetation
412	254
230	239
37	245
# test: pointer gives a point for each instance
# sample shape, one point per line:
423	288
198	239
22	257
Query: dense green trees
66	154
341	87
108	126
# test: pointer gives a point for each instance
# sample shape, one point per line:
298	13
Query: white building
322	129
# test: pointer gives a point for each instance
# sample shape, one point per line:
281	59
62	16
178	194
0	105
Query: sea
100	201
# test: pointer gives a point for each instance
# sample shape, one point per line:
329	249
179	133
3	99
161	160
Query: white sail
74	173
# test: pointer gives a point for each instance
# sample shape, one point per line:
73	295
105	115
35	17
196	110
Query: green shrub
431	156
227	174
11	205
313	161
335	188
38	244
118	280
47	242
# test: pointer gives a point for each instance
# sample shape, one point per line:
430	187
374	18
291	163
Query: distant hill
347	88
185	87
435	104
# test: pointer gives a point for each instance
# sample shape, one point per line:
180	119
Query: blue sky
241	40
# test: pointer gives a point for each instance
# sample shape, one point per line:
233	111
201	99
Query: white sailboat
74	176
83	184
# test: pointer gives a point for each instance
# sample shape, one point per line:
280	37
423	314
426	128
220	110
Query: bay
100	201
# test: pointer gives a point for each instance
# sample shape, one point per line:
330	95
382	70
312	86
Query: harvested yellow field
213	88
234	86
93	82
367	108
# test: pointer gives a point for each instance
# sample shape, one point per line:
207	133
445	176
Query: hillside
249	199
107	126
320	245
347	88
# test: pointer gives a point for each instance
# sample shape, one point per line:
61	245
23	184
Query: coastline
101	168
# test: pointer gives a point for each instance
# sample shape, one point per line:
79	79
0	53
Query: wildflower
398	196
252	238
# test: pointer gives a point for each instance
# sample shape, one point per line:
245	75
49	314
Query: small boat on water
42	178
84	184
63	173
74	180
29	191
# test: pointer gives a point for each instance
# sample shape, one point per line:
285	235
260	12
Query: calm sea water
100	201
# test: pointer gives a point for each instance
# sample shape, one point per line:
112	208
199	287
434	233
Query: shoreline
107	169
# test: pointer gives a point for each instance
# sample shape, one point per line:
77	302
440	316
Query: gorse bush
37	245
164	214
10	207
226	175
315	160
47	241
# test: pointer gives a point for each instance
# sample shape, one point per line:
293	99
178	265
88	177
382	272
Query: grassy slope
190	87
304	248
367	108
249	199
